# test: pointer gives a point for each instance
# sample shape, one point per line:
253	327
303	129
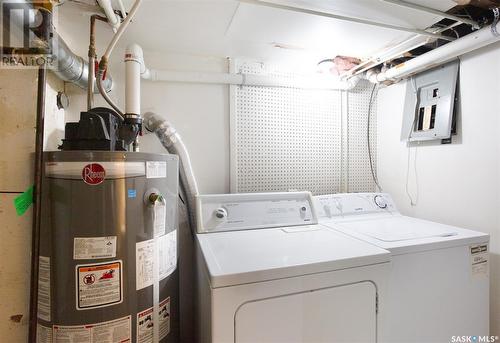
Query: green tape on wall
24	201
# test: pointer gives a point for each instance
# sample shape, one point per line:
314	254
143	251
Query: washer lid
240	257
394	229
400	234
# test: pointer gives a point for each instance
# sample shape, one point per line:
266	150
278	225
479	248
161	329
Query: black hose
37	196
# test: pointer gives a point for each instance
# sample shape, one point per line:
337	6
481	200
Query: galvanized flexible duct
172	141
73	68
67	65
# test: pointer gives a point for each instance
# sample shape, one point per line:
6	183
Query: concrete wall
458	184
18	89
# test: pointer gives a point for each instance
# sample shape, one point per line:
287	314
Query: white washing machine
439	283
268	273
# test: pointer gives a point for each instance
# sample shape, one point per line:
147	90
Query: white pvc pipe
395	51
133	62
308	82
443	54
103	65
122	28
122	8
113	19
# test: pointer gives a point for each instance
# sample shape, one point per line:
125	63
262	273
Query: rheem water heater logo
27	34
93	174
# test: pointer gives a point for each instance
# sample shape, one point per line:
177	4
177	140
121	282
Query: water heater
109	245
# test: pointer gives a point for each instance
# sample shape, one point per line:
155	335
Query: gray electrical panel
429	104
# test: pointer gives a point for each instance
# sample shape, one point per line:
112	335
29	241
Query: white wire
368	123
109	49
413	201
156	278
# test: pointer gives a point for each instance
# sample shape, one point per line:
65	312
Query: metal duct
67	65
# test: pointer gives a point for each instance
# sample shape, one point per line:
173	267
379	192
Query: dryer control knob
380	201
220	213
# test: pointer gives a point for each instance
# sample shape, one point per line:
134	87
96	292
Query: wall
458	184
18	89
199	112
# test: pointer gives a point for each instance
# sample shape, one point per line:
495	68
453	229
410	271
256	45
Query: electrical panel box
430	104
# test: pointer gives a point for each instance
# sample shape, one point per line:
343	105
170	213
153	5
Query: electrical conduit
446	53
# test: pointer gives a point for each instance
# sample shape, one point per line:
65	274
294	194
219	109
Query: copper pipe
92	57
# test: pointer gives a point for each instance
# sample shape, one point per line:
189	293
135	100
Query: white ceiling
230	28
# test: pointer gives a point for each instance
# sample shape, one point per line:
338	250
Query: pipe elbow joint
134	53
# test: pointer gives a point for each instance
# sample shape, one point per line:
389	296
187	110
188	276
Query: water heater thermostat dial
380	201
220	213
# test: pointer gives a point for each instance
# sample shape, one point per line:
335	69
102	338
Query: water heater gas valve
152	197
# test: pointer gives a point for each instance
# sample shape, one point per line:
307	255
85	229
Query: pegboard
291	138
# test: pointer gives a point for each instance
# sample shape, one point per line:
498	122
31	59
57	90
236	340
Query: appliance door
339	314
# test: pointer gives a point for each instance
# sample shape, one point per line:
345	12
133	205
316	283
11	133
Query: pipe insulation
438	56
67	65
172	142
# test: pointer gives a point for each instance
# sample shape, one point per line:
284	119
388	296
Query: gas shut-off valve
153	197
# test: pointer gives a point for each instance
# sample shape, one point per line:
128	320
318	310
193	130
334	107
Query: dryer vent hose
172	141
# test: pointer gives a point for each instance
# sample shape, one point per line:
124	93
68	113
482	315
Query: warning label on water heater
479	259
145	322
167	254
43	334
113	331
94	247
156	169
99	285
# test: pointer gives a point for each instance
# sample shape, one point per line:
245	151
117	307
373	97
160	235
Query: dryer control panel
345	204
230	212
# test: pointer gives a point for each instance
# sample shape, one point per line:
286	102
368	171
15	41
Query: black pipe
37	196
